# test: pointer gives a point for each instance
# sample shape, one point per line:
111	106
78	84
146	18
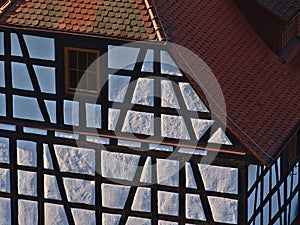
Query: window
289	32
77	64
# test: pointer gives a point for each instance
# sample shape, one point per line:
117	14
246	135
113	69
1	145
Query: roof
285	9
261	92
120	18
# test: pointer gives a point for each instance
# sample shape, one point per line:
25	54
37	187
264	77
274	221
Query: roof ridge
5	5
155	20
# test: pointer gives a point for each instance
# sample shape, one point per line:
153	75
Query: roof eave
79	34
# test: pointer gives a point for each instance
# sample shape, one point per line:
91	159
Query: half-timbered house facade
103	121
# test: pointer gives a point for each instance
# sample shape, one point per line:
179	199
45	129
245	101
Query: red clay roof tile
261	92
71	14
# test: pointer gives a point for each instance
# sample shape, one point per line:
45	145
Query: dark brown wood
98	182
202	193
51	140
281	179
132	191
40	184
154	191
34	80
127	105
182	193
61	186
242	194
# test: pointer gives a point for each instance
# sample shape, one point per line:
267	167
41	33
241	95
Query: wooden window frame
70	90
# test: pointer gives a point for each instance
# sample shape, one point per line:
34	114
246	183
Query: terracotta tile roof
285	9
120	18
262	94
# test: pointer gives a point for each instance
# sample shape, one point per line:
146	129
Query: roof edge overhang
78	34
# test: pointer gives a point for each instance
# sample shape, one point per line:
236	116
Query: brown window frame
68	88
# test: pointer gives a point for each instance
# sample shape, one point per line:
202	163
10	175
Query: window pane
82	60
80	74
91	58
92	81
72	60
73	78
33	44
82	82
